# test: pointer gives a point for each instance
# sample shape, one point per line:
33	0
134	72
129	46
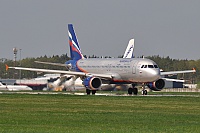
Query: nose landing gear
144	91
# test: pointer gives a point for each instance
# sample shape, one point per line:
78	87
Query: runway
100	94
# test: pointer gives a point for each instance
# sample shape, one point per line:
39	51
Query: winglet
194	69
7	67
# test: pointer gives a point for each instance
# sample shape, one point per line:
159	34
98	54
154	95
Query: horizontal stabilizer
50	63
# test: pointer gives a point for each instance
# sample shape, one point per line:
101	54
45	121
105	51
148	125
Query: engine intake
93	83
157	86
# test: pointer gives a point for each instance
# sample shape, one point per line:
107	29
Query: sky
103	28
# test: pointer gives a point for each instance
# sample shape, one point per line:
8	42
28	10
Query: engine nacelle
94	83
157	86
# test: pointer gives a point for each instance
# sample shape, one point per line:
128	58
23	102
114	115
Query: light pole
20	63
15	57
3	61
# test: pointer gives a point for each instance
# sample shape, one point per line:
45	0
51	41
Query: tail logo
74	47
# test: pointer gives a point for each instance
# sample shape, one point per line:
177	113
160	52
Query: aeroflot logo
75	45
129	51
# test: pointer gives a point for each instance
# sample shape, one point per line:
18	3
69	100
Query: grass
69	113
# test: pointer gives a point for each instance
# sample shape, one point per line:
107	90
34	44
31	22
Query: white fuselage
14	87
122	70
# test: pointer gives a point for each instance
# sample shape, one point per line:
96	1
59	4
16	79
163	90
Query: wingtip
7	67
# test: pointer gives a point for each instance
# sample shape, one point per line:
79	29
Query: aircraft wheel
130	91
93	92
145	92
135	91
88	91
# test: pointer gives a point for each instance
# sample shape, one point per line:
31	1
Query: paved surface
98	94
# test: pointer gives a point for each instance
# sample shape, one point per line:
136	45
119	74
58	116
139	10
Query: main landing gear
133	90
88	91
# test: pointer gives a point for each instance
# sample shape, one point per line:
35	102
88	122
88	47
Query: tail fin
75	51
129	50
1	84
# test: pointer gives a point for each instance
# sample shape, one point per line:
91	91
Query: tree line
165	63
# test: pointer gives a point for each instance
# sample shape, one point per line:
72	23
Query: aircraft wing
177	72
106	76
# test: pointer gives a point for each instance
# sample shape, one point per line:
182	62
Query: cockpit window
149	66
155	66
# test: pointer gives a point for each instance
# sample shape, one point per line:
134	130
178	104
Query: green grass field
69	113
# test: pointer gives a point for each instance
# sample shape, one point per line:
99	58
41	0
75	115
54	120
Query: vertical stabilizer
129	50
75	51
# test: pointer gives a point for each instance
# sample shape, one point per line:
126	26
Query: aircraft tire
88	91
130	91
145	92
93	92
135	91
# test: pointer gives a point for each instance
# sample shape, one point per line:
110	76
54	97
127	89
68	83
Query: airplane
47	77
14	87
95	72
129	50
73	83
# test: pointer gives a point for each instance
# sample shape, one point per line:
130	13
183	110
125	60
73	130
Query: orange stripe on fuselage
82	70
128	81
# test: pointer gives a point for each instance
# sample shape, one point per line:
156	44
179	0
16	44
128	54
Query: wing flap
50	63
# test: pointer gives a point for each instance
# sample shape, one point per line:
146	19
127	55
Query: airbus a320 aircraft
129	50
95	72
14	87
70	82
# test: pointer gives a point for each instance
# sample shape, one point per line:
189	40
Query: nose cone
155	73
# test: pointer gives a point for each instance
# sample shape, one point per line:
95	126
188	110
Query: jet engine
92	82
157	86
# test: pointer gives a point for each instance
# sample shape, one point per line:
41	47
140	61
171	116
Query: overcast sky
103	27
